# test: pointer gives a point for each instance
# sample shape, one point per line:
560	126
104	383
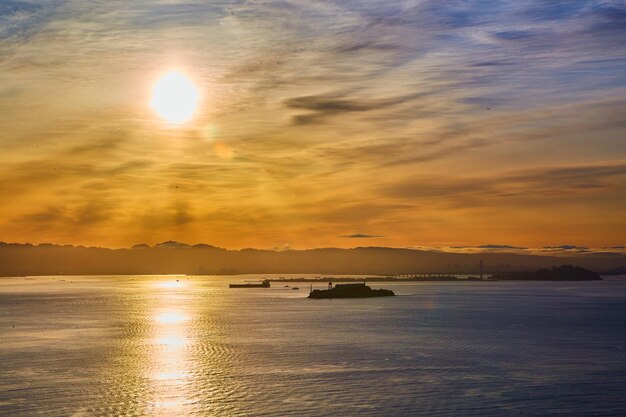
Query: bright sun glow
174	97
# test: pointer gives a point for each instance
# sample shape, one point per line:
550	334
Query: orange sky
317	121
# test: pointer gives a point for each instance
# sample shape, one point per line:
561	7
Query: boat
295	288
263	284
350	291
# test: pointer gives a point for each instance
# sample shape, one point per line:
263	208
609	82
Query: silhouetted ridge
561	273
179	258
140	246
172	244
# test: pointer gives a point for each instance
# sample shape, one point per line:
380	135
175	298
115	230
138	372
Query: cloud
512	35
326	105
284	248
361	236
568	249
84	216
563	250
486	248
419	119
564	247
528	184
499	247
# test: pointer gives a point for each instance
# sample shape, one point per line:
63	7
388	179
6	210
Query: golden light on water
175	97
170	373
171	284
170	317
172	341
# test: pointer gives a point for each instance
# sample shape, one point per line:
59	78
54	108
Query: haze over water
158	346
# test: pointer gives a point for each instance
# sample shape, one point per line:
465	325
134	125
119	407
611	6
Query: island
359	290
560	273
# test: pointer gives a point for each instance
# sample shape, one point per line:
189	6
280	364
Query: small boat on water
263	284
295	288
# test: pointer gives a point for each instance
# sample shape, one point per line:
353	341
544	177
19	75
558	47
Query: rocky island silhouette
359	290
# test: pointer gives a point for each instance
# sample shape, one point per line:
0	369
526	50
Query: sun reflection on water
172	341
170	372
161	376
170	317
172	284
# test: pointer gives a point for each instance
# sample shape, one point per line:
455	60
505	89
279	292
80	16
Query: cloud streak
426	121
361	236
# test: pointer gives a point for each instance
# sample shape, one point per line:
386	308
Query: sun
175	98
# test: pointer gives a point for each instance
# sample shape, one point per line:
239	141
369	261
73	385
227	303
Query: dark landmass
261	284
616	271
350	291
561	273
416	278
178	258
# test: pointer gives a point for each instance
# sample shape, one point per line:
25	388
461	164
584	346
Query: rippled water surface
79	346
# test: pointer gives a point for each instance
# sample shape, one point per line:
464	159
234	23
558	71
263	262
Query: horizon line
558	250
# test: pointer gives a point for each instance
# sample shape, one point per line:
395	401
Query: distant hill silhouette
173	257
561	273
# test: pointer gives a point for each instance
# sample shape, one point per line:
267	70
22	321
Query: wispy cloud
561	250
361	236
323	106
425	121
522	186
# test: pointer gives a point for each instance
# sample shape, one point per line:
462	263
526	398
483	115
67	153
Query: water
132	346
